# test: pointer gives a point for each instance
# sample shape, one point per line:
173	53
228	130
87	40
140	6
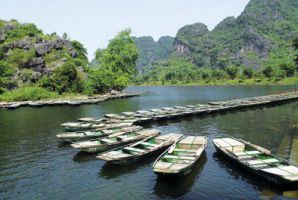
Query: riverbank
70	100
235	82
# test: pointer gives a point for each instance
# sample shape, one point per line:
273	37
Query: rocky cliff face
264	26
151	51
30	54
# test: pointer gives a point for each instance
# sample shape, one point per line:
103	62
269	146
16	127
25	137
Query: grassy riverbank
37	94
273	81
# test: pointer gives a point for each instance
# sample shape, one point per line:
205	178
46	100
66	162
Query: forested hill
151	51
264	30
30	57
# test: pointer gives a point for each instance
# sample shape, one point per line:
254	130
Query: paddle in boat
181	157
114	140
258	161
139	150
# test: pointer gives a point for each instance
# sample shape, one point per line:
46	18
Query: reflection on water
84	157
265	190
109	170
34	165
177	188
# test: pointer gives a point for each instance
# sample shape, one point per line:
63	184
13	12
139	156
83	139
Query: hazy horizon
94	23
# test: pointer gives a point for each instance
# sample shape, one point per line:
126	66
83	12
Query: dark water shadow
175	188
109	170
265	189
84	157
62	144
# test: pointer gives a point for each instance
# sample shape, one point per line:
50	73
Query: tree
66	79
248	72
232	71
295	45
288	69
5	72
218	74
268	71
121	54
80	49
65	36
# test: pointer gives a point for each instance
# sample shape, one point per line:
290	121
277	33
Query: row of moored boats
179	154
143	116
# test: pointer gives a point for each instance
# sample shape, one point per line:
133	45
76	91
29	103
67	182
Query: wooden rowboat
113	141
181	157
87	135
139	150
258	161
80	126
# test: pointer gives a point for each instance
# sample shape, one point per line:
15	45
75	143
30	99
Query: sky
95	22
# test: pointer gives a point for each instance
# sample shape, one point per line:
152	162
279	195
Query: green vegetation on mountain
116	65
265	28
151	52
256	45
30	58
44	65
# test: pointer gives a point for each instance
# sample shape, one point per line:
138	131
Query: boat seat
149	144
92	133
179	157
261	166
283	170
106	140
123	136
266	161
246	153
134	149
185	150
246	157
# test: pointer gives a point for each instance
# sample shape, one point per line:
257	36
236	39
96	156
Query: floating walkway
151	115
71	102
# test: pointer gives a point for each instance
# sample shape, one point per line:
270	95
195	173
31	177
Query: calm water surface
33	165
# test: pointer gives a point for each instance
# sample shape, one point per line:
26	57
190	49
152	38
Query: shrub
206	74
288	69
248	72
218	74
22	31
27	93
65	79
232	71
99	81
5	73
20	58
121	82
268	71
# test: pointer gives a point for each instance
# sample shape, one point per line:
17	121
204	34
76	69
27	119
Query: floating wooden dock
146	116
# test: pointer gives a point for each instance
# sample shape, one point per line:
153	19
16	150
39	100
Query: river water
34	165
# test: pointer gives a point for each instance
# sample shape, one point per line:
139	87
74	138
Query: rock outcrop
30	54
264	26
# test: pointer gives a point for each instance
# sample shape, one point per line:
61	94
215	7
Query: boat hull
101	148
269	178
78	139
133	159
182	173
